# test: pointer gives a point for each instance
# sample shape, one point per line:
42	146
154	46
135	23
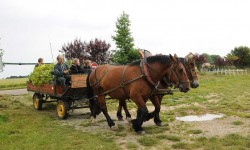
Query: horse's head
178	74
189	64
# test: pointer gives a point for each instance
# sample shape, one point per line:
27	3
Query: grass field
24	128
7	84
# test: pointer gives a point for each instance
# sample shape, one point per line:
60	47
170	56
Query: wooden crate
78	81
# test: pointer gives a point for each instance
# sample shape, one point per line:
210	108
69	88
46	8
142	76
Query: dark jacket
75	69
37	65
59	68
87	69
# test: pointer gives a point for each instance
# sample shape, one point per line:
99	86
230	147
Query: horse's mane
153	59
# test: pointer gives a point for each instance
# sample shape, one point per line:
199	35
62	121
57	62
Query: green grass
237	123
194	131
216	94
28	129
131	145
148	141
7	84
180	145
23	127
230	141
173	138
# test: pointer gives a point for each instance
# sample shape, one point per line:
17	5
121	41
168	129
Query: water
205	117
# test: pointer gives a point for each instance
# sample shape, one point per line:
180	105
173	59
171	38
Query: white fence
228	72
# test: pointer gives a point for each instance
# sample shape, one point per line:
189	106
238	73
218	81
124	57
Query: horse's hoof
114	128
120	118
159	124
93	120
129	119
141	132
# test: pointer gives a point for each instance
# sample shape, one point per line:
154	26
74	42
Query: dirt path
14	92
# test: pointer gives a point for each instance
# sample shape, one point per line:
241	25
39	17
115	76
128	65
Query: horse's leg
128	115
142	113
123	104
157	119
102	103
156	103
119	111
94	109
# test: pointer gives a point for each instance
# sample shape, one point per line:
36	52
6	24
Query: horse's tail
90	92
93	103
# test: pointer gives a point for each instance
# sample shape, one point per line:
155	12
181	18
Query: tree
220	62
232	59
98	51
208	58
199	60
243	54
214	58
95	50
75	49
125	52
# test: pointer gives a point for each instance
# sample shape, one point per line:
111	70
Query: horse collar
145	72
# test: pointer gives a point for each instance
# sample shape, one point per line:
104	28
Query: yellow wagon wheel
62	108
37	101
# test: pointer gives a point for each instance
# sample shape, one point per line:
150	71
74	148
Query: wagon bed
74	97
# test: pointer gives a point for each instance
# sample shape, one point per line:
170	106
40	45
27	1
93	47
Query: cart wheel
37	101
62	108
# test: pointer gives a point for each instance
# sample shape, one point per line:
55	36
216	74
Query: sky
27	27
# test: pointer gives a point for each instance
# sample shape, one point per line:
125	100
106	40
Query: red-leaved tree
199	60
96	50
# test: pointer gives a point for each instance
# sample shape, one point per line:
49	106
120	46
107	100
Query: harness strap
144	70
122	85
97	82
111	90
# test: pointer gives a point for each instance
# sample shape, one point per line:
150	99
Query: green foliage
243	54
124	41
41	74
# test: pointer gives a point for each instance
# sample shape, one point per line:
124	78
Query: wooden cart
74	97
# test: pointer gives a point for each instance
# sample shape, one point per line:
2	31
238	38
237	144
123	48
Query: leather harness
145	74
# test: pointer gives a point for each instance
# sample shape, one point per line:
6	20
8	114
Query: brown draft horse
189	64
130	81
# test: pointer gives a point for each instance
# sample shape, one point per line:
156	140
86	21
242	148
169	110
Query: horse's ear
175	56
172	58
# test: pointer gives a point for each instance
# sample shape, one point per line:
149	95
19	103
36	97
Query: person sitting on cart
61	72
40	62
87	66
75	67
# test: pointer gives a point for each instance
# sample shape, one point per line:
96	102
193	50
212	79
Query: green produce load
41	74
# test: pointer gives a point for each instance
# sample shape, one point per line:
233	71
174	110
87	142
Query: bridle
188	69
173	71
